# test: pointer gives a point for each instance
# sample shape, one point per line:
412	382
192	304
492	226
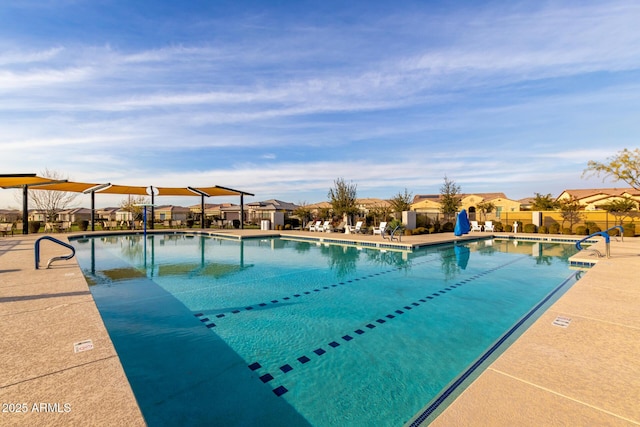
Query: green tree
402	201
380	213
343	198
621	209
450	200
303	212
544	202
570	211
625	166
485	208
132	204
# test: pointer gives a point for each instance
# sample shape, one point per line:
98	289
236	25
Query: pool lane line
222	315
320	351
449	390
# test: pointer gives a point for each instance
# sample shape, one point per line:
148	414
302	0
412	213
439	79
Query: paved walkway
44	314
585	374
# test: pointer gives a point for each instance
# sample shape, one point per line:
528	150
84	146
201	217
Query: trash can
265	224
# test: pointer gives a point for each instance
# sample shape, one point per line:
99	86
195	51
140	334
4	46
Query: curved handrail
57	258
619	227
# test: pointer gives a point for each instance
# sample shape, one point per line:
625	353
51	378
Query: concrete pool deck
587	373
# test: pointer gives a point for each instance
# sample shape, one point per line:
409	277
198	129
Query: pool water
283	332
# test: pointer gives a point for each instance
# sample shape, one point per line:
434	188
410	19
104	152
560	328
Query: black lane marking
280	390
275	301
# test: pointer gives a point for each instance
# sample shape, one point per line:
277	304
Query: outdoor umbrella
462	224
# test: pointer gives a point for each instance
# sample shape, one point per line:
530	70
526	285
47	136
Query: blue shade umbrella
462	224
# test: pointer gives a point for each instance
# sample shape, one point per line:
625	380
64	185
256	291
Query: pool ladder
607	241
55	258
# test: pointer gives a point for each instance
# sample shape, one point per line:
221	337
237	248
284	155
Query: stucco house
430	204
593	199
10	215
75	215
171	213
262	210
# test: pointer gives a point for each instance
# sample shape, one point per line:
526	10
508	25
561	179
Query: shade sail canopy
84	187
20	180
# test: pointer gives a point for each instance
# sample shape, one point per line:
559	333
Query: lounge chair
326	227
488	226
475	226
350	229
381	229
318	226
5	228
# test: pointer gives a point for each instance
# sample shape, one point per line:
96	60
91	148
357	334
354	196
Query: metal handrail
619	227
56	258
393	235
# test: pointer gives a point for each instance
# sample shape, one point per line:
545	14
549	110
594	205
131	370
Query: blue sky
280	98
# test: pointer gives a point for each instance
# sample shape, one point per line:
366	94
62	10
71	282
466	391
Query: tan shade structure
83	187
20	180
34	182
24	181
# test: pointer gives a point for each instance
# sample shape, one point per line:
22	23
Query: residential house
171	213
10	215
430	204
262	210
37	215
368	205
75	215
106	214
593	199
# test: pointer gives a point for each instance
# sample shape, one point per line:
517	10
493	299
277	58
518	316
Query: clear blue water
280	332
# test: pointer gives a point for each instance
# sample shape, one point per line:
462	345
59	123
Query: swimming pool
283	332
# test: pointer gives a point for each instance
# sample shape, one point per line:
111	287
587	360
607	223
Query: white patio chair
488	226
350	229
475	226
381	229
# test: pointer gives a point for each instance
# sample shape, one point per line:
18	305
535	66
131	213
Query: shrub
236	223
436	227
83	225
543	230
447	227
554	228
408	232
287	226
421	230
582	230
34	226
508	228
629	230
190	223
592	227
422	221
567	230
498	226
530	228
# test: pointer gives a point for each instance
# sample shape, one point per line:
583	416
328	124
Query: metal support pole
241	211
93	211
153	212
202	208
25	209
